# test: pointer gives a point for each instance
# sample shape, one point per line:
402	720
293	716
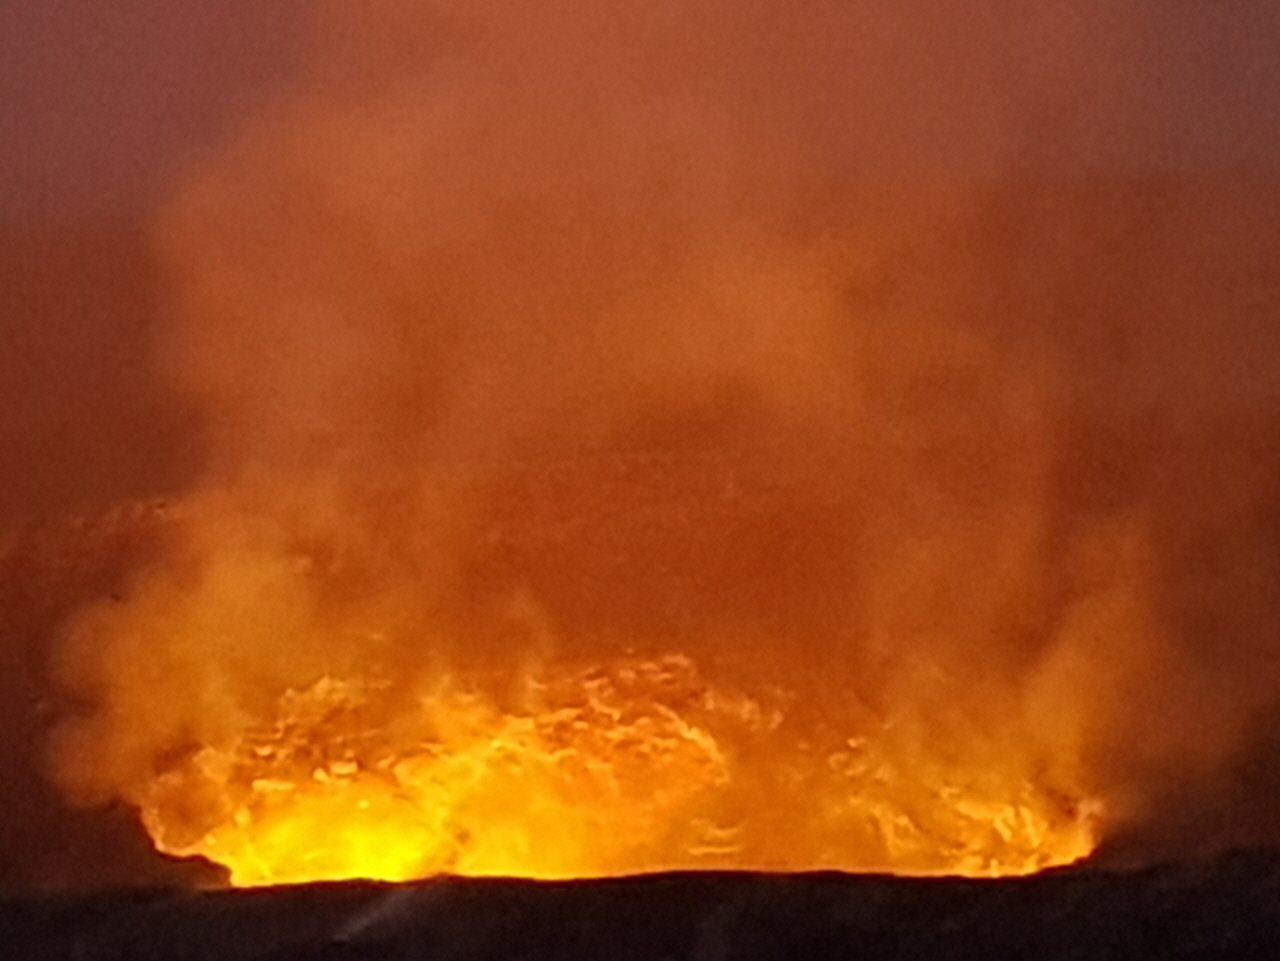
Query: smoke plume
800	339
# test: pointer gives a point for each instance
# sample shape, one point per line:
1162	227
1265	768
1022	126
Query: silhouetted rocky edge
1227	907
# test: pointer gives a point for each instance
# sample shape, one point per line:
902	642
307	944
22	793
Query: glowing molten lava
637	768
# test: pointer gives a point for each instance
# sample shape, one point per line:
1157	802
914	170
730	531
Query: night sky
104	106
104	103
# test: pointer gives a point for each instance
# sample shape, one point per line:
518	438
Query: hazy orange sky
106	106
103	103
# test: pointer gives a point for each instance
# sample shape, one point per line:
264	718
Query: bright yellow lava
642	767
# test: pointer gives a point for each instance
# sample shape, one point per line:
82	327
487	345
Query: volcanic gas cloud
623	456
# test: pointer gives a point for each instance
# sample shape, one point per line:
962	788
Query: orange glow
642	767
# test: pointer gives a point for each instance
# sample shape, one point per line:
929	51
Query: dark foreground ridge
1225	908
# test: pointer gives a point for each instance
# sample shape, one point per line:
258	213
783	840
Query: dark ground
1225	908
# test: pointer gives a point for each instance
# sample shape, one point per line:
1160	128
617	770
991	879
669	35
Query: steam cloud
532	330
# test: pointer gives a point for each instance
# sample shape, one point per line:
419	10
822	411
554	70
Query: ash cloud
799	337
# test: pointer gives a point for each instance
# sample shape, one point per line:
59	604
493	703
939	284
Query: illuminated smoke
535	333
